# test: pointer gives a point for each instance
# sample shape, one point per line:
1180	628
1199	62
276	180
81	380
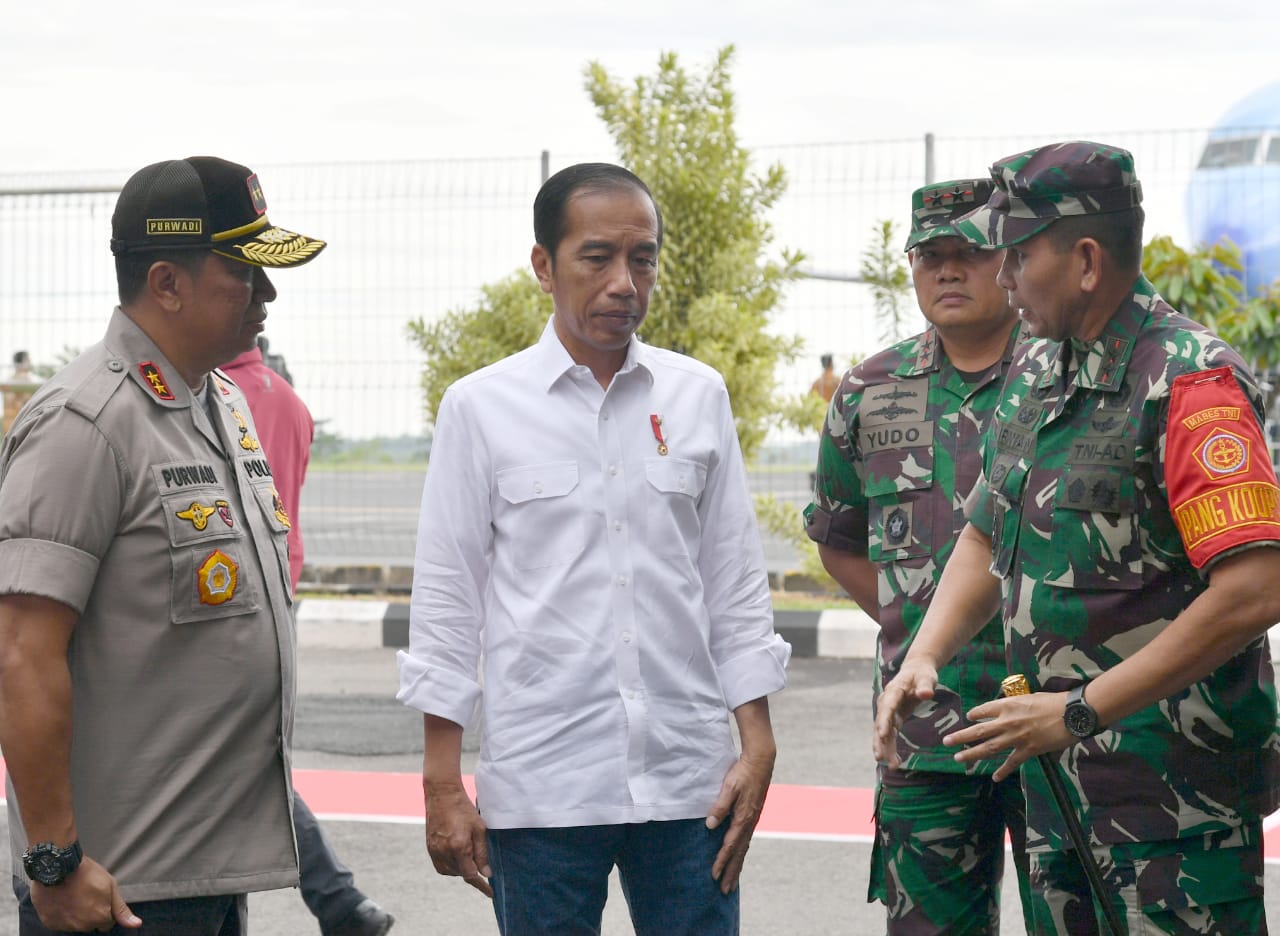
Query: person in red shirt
285	429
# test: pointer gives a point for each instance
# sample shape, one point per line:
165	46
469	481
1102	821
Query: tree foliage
716	286
1205	285
511	315
716	283
885	270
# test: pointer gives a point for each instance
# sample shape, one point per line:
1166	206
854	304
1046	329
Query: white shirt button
537	487
613	470
626	637
604	414
622	581
617	526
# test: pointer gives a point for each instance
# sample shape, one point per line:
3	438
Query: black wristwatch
1079	717
48	864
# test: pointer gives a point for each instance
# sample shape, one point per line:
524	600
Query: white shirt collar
552	360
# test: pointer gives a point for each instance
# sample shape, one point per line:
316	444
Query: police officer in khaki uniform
146	645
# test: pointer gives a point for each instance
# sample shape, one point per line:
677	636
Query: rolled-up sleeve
55	528
438	672
750	658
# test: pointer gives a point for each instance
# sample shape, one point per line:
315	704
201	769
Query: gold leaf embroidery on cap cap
296	247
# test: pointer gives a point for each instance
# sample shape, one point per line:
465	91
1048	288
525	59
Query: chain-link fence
416	239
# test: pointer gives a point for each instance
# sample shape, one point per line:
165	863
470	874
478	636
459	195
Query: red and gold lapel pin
656	422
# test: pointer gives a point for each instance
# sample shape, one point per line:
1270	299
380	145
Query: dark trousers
224	915
553	882
327	886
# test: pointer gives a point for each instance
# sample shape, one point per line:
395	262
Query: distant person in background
825	385
285	429
274	361
15	397
899	455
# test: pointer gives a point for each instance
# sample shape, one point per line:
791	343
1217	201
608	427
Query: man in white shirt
586	526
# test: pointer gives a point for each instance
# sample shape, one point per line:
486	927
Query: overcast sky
121	84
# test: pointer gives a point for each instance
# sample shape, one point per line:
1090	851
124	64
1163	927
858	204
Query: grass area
807	601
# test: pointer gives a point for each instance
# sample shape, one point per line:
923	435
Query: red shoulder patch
1222	487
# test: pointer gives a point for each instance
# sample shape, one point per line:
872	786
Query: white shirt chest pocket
539	514
675	489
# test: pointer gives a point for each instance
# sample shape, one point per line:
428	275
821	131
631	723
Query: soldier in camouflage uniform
1126	500
898	456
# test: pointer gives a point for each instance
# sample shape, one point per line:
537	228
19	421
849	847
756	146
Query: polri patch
278	506
256	197
217	578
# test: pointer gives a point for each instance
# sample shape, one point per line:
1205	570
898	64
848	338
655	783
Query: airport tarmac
349	721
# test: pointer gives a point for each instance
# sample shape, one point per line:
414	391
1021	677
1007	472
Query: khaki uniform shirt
122	499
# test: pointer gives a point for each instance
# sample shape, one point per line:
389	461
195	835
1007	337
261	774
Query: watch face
46	868
1081	720
47	864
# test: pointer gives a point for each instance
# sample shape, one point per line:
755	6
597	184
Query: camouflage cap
1035	188
935	208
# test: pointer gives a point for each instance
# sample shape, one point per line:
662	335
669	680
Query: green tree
885	270
717	284
511	315
1205	284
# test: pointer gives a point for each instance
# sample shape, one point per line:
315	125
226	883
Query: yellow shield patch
217	577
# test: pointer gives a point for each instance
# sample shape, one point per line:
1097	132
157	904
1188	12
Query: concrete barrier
353	623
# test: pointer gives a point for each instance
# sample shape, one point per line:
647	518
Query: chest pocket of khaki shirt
208	554
1096	539
671	509
540	511
899	485
278	521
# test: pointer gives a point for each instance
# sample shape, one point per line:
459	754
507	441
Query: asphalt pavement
348	720
371	517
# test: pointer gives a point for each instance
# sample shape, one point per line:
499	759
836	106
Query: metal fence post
928	159
546	165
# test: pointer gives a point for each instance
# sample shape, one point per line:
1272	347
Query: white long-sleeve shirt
618	595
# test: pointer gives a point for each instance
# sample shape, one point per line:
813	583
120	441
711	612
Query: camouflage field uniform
898	455
1093	565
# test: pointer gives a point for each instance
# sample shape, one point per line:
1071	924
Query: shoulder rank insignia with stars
155	380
